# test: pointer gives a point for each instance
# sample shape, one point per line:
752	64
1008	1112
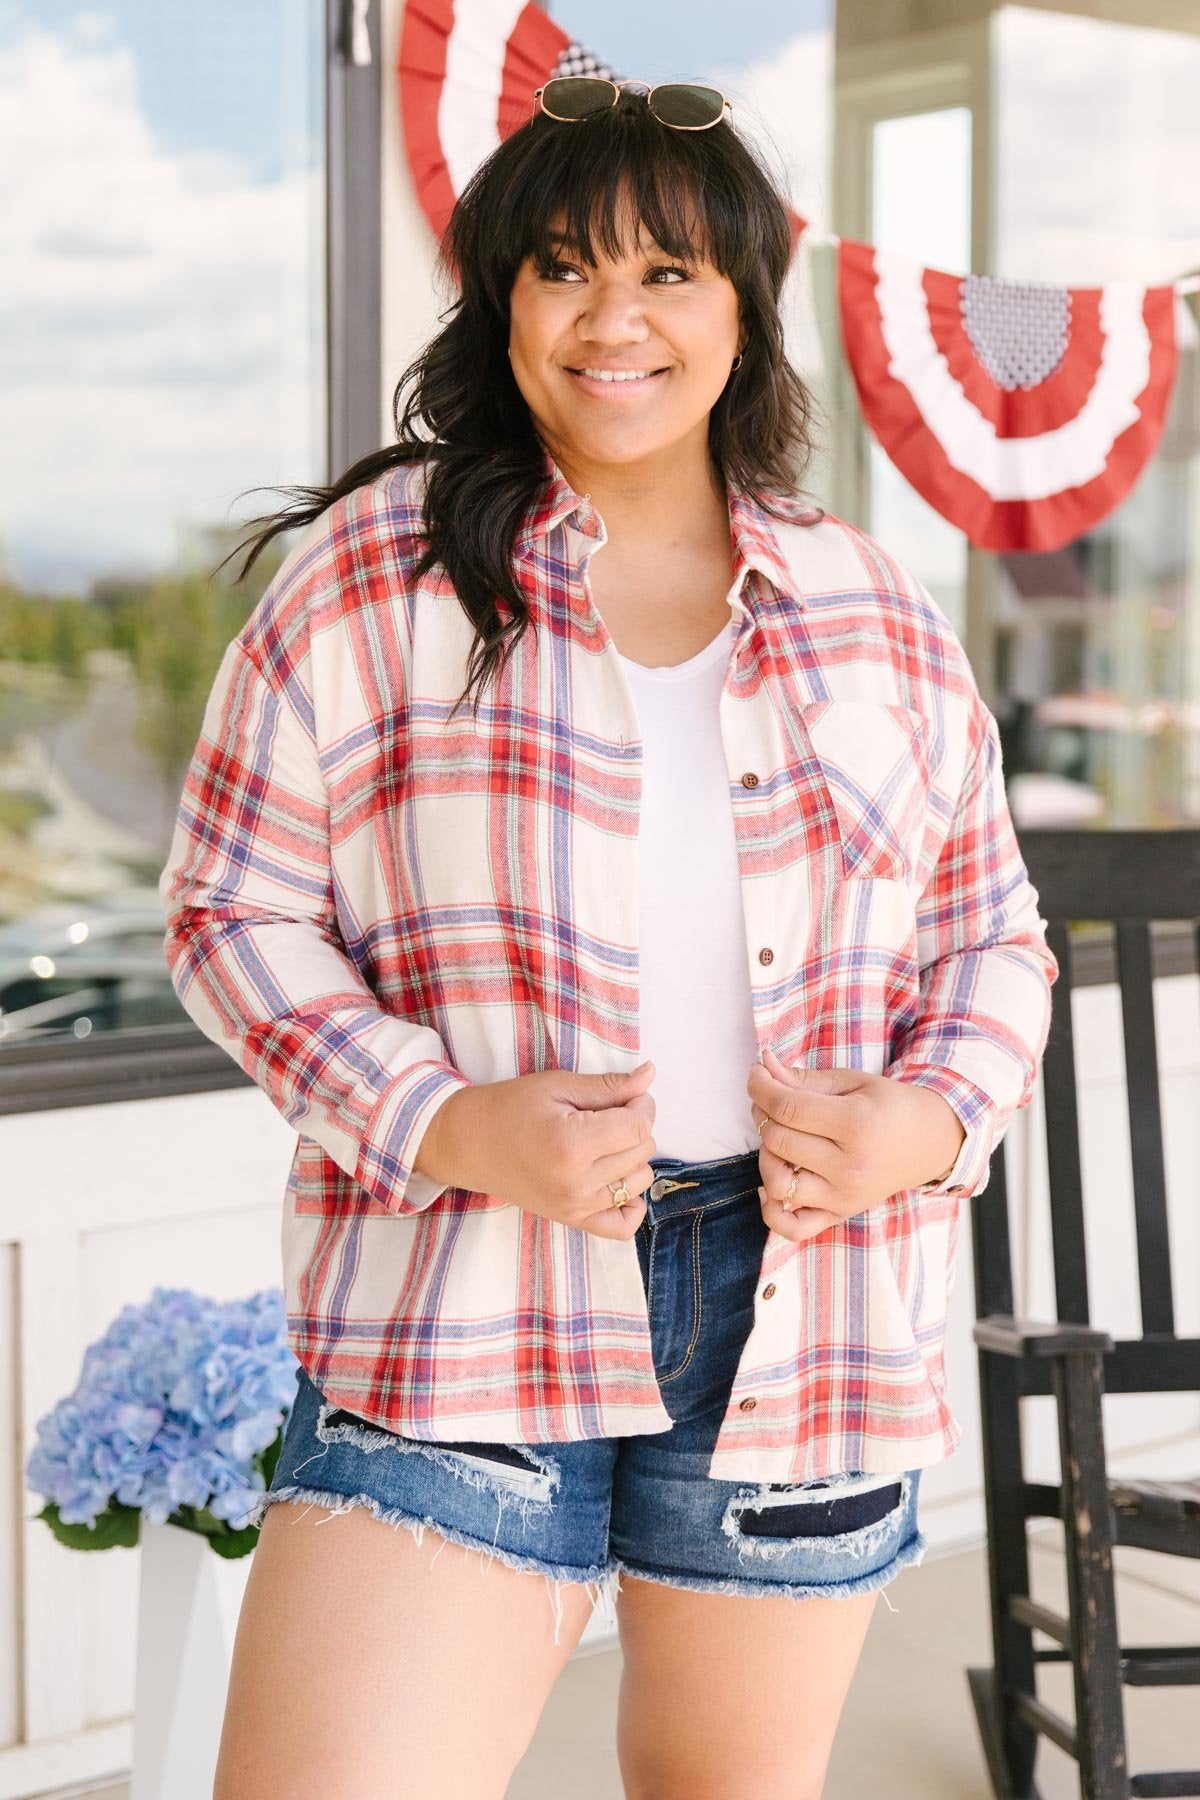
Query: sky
160	314
774	61
201	73
161	310
658	43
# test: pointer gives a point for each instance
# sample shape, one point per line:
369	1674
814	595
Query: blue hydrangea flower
173	1404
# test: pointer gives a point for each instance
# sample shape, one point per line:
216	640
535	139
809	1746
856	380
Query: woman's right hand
550	1142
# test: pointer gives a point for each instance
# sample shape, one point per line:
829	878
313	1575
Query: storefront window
1097	136
921	207
163	330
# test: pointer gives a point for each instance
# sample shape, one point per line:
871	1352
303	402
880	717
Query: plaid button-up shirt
371	905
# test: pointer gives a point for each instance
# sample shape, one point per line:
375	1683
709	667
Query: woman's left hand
856	1139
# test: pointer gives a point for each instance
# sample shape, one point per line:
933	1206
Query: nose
614	314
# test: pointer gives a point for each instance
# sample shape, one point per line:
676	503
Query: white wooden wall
98	1204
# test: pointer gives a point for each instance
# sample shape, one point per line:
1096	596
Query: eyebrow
572	243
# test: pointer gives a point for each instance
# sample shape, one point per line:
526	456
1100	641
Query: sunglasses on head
684	105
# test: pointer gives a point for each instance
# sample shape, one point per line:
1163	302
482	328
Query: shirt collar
751	527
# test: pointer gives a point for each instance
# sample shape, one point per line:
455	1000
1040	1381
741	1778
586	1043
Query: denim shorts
588	1510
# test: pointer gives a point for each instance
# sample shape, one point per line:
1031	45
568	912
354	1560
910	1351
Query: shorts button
748	1405
768	1290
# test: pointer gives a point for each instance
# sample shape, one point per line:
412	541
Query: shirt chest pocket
872	764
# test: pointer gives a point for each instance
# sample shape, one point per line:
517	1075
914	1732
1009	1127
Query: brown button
749	779
747	1405
768	1290
767	955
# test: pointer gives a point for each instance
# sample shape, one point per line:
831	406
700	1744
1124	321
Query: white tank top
697	1022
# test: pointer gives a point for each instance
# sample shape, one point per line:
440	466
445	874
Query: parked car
76	969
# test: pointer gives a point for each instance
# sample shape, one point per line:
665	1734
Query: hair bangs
603	181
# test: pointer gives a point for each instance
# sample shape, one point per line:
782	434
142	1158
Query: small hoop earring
736	363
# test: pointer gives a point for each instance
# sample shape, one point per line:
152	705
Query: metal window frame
148	1062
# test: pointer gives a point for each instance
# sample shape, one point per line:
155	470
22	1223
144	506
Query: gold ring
620	1193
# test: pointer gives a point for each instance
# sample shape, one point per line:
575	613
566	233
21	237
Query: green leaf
196	1518
117	1527
232	1544
226	1539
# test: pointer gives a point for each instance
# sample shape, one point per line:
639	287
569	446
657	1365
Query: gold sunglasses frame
617	86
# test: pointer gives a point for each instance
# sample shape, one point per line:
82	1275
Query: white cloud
156	329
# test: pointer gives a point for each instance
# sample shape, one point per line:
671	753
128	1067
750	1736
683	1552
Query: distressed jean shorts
588	1510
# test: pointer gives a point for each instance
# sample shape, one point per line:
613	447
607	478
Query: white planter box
188	1606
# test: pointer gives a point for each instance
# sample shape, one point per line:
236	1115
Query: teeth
618	374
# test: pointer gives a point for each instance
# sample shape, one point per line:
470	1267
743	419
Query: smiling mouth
618	377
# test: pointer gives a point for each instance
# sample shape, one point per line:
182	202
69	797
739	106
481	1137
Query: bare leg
368	1666
725	1694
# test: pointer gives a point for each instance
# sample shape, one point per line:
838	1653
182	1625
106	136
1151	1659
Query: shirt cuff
393	1136
975	1112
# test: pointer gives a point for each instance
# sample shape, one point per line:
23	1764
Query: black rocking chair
1130	879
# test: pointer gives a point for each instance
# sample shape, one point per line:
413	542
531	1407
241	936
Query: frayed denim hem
910	1553
603	1580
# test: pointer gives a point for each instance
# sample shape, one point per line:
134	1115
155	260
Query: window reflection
1097	658
921	208
162	336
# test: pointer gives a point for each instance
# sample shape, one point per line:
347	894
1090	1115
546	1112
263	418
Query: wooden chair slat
1062	1139
991	1245
1145	1126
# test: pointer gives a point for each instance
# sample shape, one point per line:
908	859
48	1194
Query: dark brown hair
457	407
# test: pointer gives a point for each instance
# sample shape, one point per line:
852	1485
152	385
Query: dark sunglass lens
577	96
680	103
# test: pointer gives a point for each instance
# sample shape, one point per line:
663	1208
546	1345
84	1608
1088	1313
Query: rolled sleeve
254	949
975	1112
986	972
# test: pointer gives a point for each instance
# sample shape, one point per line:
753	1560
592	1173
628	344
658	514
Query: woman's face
675	328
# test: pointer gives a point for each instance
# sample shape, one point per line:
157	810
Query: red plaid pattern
370	905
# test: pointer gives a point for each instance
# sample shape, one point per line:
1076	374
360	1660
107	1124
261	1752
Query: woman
643	1026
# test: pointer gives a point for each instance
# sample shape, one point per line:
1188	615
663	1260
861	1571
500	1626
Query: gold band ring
620	1193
